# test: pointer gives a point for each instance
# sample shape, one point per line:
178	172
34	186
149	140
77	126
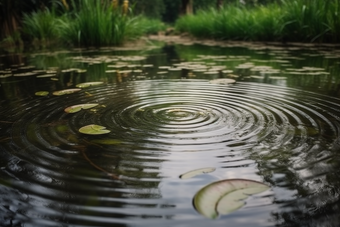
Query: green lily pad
66	91
226	196
88	84
94	130
77	108
196	172
42	93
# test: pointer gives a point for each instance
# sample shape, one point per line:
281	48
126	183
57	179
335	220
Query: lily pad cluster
88	129
70	90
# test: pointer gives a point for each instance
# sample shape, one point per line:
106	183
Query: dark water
278	124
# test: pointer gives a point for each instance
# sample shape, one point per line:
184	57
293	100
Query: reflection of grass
291	21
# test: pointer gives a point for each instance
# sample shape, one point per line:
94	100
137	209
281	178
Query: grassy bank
89	23
288	20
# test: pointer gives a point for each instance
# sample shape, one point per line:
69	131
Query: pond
182	125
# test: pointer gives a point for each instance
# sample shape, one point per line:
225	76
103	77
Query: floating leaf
88	84
77	108
235	200
223	197
222	81
46	75
25	74
5	75
81	70
94	130
196	172
66	91
41	93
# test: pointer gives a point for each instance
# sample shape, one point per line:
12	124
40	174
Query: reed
302	21
150	25
288	20
93	23
102	23
89	23
199	25
41	26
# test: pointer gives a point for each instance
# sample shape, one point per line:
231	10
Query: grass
41	26
150	25
96	24
288	20
90	23
314	21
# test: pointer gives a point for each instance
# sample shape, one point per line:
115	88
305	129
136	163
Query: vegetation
43	26
289	20
111	22
90	23
98	23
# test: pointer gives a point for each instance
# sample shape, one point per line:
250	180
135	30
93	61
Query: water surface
278	124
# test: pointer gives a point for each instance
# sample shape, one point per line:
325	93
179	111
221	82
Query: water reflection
267	127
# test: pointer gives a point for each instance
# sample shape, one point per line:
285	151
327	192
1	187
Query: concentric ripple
52	175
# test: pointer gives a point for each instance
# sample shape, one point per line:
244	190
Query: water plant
310	21
287	20
150	25
88	23
99	23
42	26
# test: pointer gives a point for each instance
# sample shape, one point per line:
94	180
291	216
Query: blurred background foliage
300	20
12	11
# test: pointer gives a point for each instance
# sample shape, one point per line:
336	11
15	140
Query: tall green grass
311	20
150	25
42	26
288	20
233	22
97	23
90	23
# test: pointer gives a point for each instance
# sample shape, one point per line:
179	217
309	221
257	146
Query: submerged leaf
107	141
66	91
196	172
94	130
77	108
223	197
42	93
88	84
